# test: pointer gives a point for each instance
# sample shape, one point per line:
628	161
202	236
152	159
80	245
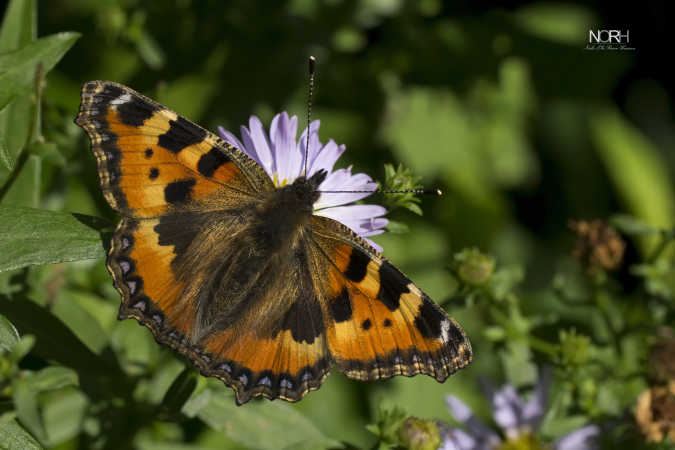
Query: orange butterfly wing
379	323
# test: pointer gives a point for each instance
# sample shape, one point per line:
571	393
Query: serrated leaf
415	208
14	437
8	335
264	425
20	65
32	236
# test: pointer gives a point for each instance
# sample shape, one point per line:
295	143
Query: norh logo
608	40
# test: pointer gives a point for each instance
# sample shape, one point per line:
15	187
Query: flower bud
418	434
475	268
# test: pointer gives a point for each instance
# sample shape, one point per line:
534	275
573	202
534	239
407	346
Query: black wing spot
429	318
135	112
386	323
211	161
182	133
392	285
109	90
358	266
179	191
149	153
179	230
341	307
154	173
366	324
304	320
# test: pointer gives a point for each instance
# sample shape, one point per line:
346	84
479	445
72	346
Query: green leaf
83	324
559	22
14	437
55	342
5	159
26	188
63	412
22	348
53	377
19	26
8	335
397	227
637	169
180	390
631	226
27	411
19	76
264	425
32	236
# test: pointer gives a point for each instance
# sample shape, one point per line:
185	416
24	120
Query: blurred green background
500	106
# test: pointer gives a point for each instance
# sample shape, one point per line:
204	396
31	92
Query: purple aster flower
518	420
283	158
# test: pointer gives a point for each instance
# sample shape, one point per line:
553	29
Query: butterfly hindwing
381	324
151	160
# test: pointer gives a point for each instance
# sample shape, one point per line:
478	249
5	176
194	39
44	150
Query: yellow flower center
524	441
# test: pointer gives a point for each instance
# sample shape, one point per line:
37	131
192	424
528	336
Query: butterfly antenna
437	192
312	71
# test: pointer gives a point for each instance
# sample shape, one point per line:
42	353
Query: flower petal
533	410
343	180
373	244
287	157
456	439
256	141
581	439
461	412
232	140
327	157
508	409
362	219
314	145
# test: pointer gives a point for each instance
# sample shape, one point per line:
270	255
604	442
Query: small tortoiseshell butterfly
239	275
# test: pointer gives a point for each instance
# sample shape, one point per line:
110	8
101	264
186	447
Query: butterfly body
241	276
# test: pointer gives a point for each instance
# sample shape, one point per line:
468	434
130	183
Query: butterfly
240	276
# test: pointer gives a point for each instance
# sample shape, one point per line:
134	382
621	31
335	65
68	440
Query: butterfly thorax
287	210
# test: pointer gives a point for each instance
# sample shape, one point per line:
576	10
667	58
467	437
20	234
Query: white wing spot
122	99
140	305
243	378
265	381
445	330
132	287
286	383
